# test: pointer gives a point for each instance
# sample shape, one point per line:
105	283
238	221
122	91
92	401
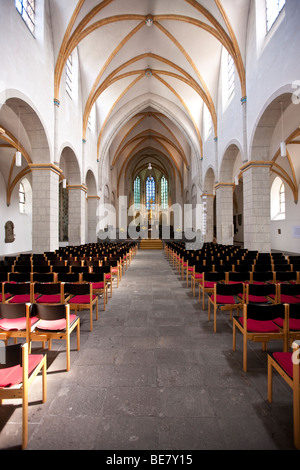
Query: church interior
150	225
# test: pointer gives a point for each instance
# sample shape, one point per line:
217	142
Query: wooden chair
17	372
257	325
226	297
99	284
81	297
54	322
48	293
287	366
15	321
261	293
206	284
19	293
289	293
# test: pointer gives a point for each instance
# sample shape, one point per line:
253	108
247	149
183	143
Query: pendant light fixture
149	166
18	153
283	143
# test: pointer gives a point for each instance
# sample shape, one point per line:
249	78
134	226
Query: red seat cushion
10	324
257	326
6	296
289	299
224	299
54	325
21	299
13	375
198	276
257	299
191	269
294	324
285	361
81	299
209	285
98	285
49	299
107	276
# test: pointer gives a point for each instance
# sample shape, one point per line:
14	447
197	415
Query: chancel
149	180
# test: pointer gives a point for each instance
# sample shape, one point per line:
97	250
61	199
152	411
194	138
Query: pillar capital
45	167
80	187
256	164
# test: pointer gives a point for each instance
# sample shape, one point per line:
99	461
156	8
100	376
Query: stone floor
153	375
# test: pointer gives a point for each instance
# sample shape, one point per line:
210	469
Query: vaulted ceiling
149	66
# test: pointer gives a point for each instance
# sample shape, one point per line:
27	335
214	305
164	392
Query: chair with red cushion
291	277
105	270
257	324
17	372
54	322
289	293
48	293
99	284
15	321
81	297
287	365
261	293
233	277
197	274
226	297
19	292
207	283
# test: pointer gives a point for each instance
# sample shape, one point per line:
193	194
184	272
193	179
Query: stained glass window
69	71
150	193
230	65
164	193
26	10
137	193
273	9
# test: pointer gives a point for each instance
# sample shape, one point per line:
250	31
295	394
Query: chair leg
215	318
68	351
270	380
233	336
245	353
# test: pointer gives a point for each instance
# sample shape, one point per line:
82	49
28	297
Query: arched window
69	73
137	193
150	193
273	9
282	199
26	8
164	193
22	198
230	70
277	199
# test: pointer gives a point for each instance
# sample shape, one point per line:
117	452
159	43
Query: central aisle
153	375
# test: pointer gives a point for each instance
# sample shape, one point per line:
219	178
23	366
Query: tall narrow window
282	199
137	193
69	67
164	193
26	8
150	193
273	9
22	198
230	68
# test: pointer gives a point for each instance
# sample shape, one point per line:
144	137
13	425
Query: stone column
208	209
77	202
224	209
45	207
257	219
93	202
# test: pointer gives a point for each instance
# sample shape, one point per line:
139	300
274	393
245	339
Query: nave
153	375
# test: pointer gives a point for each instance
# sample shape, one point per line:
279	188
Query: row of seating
42	311
266	308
